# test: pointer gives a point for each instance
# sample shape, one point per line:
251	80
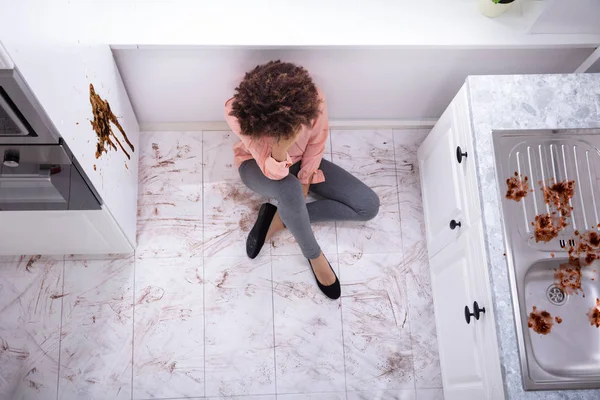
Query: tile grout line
203	268
60	327
273	314
133	323
410	335
337	250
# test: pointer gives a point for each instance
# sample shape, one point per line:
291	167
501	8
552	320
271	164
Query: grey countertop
521	102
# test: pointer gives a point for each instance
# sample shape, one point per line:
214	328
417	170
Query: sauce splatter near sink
587	247
594	314
547	227
558	320
517	187
540	321
558	196
568	278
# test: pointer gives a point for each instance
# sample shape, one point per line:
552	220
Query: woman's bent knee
289	188
370	204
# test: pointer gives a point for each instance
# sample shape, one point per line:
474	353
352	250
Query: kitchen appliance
38	172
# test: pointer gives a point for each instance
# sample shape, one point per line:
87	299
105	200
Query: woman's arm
313	154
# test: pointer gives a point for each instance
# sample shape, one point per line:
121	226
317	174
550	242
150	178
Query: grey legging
345	198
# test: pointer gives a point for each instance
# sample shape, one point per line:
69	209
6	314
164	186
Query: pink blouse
309	148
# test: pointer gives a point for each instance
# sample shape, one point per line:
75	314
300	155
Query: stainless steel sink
568	357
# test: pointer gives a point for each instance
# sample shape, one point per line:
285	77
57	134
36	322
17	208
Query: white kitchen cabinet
460	344
447	177
62	89
469	356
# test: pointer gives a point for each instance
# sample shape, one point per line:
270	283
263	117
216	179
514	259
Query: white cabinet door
486	325
466	168
459	343
441	184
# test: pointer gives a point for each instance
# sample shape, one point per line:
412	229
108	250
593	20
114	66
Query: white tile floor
190	316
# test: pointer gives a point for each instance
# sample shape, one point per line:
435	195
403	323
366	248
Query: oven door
42	178
22	118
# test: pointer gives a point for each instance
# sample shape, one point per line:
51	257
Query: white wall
572	17
191	85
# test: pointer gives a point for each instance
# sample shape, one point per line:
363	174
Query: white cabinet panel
441	183
459	342
61	232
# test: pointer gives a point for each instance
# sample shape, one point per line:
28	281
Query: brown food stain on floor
518	187
223	279
397	364
246	222
151	294
558	320
594	314
103	117
540	321
31	261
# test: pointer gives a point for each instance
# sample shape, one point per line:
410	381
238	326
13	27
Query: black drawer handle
454	224
476	312
460	154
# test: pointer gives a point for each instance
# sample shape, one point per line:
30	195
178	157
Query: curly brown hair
275	99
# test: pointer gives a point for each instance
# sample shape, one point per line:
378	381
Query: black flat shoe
256	237
332	291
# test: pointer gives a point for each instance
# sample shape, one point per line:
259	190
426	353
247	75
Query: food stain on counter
103	117
558	320
540	321
594	314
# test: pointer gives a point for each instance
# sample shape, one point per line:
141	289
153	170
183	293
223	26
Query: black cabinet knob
460	154
476	312
454	224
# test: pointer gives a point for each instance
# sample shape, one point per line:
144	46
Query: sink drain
556	296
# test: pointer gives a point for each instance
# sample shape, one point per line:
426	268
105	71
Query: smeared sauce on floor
517	187
540	321
103	117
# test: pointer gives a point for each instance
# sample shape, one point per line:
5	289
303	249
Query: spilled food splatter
103	117
540	321
547	227
517	187
568	278
594	314
557	196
